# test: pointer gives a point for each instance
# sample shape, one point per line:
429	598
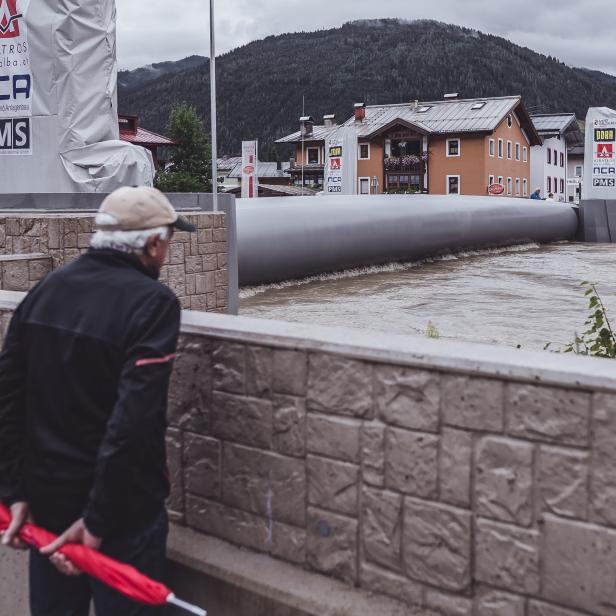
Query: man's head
538	191
140	221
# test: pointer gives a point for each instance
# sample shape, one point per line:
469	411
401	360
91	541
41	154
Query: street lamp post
213	107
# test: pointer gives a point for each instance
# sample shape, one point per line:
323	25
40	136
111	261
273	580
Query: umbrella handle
193	609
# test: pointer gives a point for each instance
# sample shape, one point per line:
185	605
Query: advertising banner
250	164
599	156
341	162
16	82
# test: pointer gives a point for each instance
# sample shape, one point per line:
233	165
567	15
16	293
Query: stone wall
22	272
459	479
196	268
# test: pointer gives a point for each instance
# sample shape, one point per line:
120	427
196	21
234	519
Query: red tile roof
145	137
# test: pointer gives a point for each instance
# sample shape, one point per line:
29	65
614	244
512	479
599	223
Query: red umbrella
123	578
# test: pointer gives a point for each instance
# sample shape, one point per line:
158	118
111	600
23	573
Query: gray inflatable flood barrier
284	239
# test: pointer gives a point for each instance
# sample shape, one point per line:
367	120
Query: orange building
451	146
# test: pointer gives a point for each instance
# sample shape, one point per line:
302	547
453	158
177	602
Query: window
525	187
500	180
491	148
555	185
364	186
549	156
517	151
562	186
453	147
477	106
549	185
525	154
579	171
491	180
313	156
562	159
509	186
364	151
517	186
509	121
555	158
500	148
453	184
509	150
424	109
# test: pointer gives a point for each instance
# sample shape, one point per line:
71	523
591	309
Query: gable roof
436	117
264	170
563	124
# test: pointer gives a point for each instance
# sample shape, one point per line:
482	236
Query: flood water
526	295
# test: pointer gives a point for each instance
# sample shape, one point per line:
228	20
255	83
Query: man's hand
77	533
19	516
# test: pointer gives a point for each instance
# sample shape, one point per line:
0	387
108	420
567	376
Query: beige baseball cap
141	208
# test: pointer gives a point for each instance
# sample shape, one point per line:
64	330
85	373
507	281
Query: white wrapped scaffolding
58	100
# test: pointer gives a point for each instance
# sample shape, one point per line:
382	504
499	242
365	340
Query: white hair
125	241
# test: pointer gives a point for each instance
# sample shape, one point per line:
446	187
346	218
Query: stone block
205	236
334	437
290	372
39	268
206	283
190	391
210	263
205	221
221	297
455	467
264	483
548	414
340	386
243	420
3	236
211	301
84	239
70	254
507	557
411	463
491	602
238	527
473	403
332	545
220	235
176	253
212	248
194	265
289	425
175	502
382	528
504	480
578	566
222	277
229	367
408	398
540	608
377	580
603	464
15	275
259	363
177	279
333	485
202	472
12	226
222	260
289	543
436	544
562	483
446	604
198	303
54	231
191	285
373	454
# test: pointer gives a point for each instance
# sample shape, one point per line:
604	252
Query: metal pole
213	107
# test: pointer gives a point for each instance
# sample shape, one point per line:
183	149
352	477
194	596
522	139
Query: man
536	194
84	376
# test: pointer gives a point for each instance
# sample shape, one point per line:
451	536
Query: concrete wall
196	268
458	479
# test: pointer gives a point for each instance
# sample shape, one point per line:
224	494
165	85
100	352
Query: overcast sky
155	30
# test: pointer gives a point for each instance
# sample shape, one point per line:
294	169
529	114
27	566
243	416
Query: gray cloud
578	32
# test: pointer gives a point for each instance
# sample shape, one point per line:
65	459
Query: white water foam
248	292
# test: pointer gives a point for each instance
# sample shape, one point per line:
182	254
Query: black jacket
84	377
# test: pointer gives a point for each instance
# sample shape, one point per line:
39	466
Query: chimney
414	104
329	121
451	97
360	112
306	125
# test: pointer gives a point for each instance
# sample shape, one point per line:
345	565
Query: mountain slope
260	85
128	80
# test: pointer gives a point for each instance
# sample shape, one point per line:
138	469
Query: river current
524	295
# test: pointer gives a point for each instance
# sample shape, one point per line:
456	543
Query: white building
549	162
575	173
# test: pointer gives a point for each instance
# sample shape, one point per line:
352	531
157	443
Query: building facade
451	146
549	167
575	173
159	145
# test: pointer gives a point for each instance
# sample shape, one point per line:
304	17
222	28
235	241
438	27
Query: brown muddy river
527	295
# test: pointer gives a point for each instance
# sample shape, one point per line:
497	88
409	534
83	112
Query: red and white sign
250	178
9	19
335	164
496	189
605	150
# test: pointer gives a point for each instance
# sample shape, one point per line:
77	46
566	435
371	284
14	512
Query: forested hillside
261	85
